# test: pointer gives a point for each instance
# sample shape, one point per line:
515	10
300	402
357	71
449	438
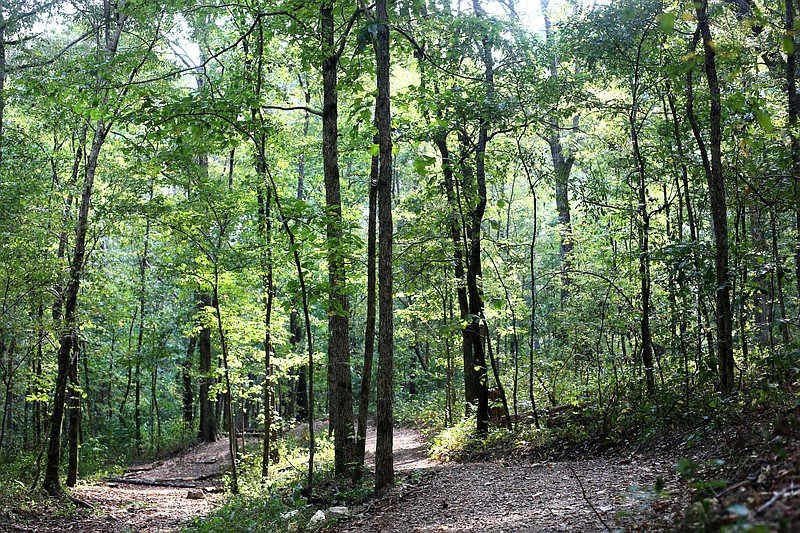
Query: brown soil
120	507
588	495
526	495
410	450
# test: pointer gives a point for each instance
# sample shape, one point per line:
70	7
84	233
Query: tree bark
339	372
208	423
719	213
475	323
309	339
369	328
227	376
188	390
793	108
384	458
270	449
643	230
140	337
456	236
69	330
74	416
562	168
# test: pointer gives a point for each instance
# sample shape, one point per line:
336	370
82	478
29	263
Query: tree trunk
228	388
188	390
369	328
474	269
719	213
137	407
384	457
140	336
340	388
7	420
644	237
270	449
74	416
208	423
454	223
309	339
69	330
793	108
562	168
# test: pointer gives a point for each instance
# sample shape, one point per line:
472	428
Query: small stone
195	495
337	512
316	521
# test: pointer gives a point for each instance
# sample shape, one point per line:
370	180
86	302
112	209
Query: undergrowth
282	502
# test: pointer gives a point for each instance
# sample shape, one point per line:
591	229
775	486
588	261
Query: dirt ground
122	506
588	495
583	495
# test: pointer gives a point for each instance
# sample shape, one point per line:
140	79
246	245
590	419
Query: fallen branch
80	503
586	498
788	491
135	469
204	477
147	483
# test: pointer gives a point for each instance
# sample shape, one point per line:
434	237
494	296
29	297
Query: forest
508	223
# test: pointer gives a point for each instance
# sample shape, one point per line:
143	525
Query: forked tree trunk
69	329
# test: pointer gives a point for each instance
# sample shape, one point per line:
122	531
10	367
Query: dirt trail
410	450
121	506
586	495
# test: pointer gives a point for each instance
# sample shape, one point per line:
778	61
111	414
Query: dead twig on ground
148	483
79	502
586	498
789	491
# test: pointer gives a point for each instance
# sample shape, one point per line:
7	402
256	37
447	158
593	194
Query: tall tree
562	160
384	458
340	388
719	211
109	31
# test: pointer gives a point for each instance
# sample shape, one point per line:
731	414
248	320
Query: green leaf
421	165
686	467
375	150
788	44
667	21
765	121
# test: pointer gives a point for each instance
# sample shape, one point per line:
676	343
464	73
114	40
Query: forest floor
584	488
596	494
134	502
734	473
